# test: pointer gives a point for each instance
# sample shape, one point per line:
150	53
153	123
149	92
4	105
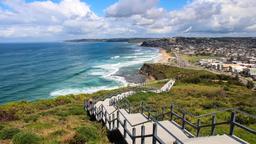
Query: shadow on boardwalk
116	137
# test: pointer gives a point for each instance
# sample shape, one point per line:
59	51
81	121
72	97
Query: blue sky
57	20
98	6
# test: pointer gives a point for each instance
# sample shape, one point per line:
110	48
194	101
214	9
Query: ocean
31	71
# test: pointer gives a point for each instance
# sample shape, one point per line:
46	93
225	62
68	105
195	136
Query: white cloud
215	17
126	8
126	18
68	17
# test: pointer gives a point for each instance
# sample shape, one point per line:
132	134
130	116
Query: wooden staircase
142	128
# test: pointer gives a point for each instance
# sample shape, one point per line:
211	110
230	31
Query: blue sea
30	71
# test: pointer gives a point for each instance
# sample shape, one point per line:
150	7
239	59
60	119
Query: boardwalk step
219	139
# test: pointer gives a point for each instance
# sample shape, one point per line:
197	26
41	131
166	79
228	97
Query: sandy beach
165	57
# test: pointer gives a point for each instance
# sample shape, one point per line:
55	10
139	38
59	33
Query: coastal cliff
150	71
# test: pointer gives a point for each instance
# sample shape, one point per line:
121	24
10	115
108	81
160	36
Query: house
211	63
252	71
237	69
228	67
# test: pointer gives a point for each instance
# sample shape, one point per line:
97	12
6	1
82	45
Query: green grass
26	138
196	58
53	120
86	134
8	133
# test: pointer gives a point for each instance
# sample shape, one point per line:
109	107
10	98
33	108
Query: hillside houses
245	69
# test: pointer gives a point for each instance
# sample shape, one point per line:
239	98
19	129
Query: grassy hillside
200	92
62	120
53	121
196	58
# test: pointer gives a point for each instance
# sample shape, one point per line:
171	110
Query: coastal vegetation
52	121
63	120
200	92
196	58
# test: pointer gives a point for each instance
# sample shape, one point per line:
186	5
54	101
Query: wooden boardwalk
139	128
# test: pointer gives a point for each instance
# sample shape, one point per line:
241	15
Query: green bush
26	138
8	133
76	110
1	127
32	118
86	134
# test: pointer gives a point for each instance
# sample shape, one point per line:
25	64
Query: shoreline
164	56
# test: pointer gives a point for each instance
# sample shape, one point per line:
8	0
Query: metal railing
155	138
113	121
232	122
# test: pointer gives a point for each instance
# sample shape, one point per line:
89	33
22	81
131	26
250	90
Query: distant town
231	56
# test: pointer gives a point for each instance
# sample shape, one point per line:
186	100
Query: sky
58	20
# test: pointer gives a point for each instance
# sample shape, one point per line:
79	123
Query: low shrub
86	134
76	110
7	115
8	133
32	118
1	127
26	138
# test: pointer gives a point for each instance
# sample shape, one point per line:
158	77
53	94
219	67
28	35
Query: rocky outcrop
151	72
163	43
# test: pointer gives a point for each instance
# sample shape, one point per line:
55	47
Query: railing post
109	122
129	109
198	128
85	104
154	133
113	121
133	135
148	115
101	114
117	119
232	123
171	108
125	125
213	124
142	134
183	120
163	111
105	115
141	107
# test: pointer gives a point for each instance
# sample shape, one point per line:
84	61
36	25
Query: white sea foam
86	90
115	57
112	68
98	72
108	71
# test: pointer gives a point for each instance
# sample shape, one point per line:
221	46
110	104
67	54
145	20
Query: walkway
141	128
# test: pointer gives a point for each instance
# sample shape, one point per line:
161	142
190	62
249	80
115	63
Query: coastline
156	55
165	56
